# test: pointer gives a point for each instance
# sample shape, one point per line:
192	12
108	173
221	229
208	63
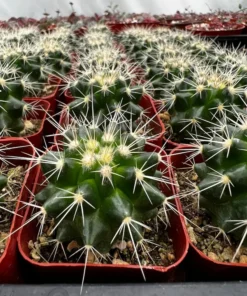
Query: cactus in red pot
103	186
13	110
221	186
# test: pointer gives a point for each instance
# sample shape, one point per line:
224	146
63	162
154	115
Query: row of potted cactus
201	92
214	23
29	91
108	131
100	201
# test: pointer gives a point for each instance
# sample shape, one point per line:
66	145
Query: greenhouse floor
170	289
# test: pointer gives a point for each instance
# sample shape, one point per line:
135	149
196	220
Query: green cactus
104	80
54	50
138	41
196	104
222	177
39	58
105	87
17	36
13	110
101	187
98	28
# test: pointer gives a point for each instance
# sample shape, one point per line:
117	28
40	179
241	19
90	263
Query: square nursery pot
169	145
199	266
10	269
72	272
147	103
51	98
37	138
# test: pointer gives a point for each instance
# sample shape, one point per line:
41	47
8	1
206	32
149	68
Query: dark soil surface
8	204
158	253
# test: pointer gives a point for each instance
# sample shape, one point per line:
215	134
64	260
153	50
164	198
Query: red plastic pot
197	260
158	128
147	103
169	145
3	25
68	98
176	17
237	30
9	265
52	98
245	27
182	24
37	138
71	272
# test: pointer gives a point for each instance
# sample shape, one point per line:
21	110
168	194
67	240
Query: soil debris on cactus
46	91
31	127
